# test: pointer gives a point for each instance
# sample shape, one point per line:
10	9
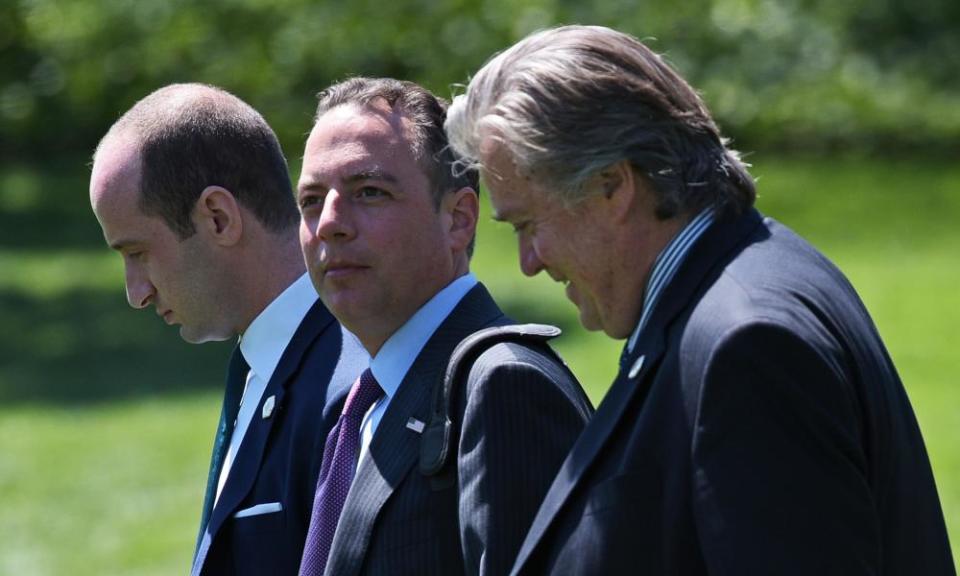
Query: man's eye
307	201
136	255
521	227
370	193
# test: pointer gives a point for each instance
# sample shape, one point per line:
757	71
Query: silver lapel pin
635	369
268	405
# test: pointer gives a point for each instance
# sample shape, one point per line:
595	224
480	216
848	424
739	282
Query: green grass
106	417
111	489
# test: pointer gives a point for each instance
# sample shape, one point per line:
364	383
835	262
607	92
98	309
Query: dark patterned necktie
340	455
236	382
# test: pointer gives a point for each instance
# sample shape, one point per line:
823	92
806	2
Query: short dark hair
191	136
570	101
426	114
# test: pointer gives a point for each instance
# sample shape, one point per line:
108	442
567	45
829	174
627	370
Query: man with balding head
757	424
190	186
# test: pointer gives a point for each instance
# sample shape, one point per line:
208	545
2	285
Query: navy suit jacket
279	458
758	427
519	412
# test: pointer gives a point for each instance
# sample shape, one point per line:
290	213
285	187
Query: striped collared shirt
665	267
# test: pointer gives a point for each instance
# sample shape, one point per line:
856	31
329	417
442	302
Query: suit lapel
639	367
246	464
394	448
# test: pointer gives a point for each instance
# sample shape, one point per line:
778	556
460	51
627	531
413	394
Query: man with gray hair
757	425
191	187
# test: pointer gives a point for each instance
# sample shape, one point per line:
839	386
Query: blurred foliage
880	75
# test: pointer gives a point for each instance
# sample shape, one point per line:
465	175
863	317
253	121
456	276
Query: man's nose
530	263
140	291
335	222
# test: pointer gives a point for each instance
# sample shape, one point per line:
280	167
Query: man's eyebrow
119	245
375	173
314	180
311	182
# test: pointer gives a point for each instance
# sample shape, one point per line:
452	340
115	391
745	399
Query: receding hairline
393	115
172	105
123	160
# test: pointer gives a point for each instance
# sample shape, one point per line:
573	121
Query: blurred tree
816	75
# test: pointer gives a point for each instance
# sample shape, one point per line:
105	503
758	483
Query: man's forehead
370	123
506	204
116	169
497	162
352	140
341	153
513	194
491	143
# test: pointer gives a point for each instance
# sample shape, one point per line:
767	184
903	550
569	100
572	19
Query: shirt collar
397	354
264	341
666	265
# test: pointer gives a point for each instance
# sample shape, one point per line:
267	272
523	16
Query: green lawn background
106	418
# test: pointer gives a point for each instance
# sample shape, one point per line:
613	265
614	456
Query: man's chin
348	307
592	323
589	320
192	335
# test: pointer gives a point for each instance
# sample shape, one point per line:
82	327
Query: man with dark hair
757	425
386	231
191	188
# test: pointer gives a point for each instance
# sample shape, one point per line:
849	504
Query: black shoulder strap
439	438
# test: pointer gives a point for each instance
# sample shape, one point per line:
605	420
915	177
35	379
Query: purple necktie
336	474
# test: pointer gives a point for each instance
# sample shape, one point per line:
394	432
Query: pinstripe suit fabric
520	413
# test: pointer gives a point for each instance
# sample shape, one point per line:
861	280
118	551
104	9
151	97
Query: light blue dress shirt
397	354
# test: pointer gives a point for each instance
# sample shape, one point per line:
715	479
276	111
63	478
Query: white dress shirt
262	345
397	354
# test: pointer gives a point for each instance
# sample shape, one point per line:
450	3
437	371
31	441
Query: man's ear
463	208
217	214
619	185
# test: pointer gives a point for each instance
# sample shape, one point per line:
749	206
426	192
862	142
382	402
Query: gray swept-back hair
191	136
570	101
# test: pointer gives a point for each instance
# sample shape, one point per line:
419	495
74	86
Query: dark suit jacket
520	410
764	431
279	458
